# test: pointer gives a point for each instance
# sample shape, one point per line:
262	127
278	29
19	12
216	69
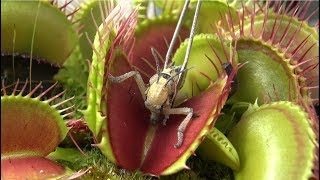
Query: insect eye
166	76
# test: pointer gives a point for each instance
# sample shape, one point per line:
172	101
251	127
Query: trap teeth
207	57
30	130
216	147
187	167
286	31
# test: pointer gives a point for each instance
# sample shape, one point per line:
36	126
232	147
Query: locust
159	95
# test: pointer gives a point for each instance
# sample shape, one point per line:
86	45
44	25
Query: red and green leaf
136	144
30	130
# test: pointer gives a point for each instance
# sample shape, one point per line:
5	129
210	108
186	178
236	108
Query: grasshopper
162	89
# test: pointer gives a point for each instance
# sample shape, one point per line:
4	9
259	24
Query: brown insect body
160	93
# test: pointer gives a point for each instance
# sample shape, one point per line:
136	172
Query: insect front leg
184	123
137	77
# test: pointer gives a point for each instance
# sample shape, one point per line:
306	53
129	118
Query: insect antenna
157	62
180	72
175	34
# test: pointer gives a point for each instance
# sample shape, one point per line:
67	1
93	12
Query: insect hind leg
184	123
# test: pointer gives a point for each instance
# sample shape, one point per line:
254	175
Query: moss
202	170
100	167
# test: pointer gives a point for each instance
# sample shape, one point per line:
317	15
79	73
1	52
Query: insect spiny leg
126	76
183	126
185	111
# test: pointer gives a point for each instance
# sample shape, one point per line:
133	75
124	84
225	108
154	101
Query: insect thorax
161	90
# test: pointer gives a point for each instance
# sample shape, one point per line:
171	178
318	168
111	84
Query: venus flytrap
49	19
275	140
278	60
265	42
38	129
151	147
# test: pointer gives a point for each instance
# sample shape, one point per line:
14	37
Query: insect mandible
161	91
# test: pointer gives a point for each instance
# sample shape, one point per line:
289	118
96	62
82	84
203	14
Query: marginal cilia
159	95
